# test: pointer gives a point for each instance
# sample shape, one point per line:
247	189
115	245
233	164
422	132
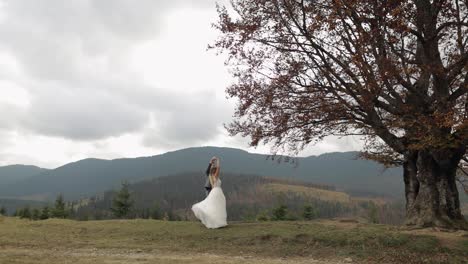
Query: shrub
279	213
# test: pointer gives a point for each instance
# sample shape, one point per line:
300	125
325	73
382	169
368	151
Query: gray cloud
72	58
196	121
58	39
81	115
9	117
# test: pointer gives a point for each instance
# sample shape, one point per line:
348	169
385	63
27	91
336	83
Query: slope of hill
90	176
16	173
306	191
247	196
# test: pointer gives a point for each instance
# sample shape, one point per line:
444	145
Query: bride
212	211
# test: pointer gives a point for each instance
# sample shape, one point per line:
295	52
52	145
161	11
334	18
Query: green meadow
152	241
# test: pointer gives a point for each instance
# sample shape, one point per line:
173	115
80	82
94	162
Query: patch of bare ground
447	238
136	256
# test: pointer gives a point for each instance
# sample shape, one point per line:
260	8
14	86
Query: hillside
11	205
306	191
16	173
248	197
150	241
90	176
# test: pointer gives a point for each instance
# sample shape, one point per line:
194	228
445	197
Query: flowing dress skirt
212	211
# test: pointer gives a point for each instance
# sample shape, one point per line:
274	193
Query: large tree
394	72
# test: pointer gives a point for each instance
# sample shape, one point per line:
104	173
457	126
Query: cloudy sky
111	79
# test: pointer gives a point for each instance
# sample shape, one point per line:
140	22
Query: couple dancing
212	211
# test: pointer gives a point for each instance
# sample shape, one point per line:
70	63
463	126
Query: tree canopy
394	72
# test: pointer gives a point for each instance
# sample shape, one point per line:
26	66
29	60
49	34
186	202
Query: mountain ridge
90	176
174	151
16	172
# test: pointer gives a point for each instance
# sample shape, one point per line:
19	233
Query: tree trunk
430	188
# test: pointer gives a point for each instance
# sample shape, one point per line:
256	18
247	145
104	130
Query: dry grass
321	194
311	192
377	201
92	256
150	241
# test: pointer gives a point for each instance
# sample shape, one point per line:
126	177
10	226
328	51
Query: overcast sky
111	79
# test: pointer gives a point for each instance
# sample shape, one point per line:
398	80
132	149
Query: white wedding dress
212	211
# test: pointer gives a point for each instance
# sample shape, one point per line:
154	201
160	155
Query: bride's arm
217	173
212	180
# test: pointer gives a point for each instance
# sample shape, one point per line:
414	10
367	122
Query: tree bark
430	188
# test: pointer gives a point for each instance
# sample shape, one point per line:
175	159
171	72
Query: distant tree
279	213
144	213
262	216
19	212
373	213
165	216
83	217
393	72
172	216
97	215
25	213
292	217
36	214
245	213
45	213
59	210
155	212
71	209
3	211
309	213
122	203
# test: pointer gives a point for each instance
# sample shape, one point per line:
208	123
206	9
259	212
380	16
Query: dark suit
208	186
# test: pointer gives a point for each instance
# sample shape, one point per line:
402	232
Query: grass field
151	241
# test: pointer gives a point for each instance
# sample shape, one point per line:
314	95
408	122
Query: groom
208	186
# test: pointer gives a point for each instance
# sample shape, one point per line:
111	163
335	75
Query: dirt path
119	256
